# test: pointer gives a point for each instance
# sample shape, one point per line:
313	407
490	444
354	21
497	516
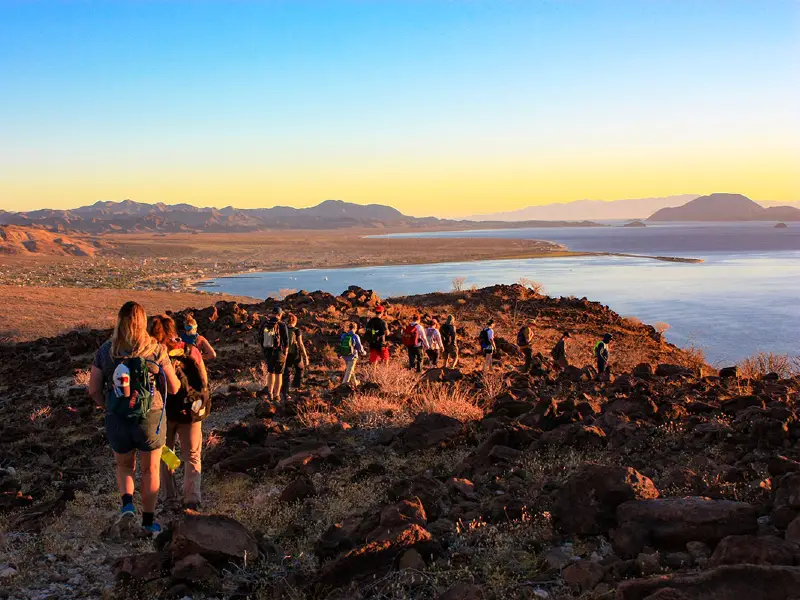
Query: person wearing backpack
296	358
186	411
559	352
376	337
601	352
190	336
487	344
130	375
450	342
416	343
524	341
274	338
435	342
349	349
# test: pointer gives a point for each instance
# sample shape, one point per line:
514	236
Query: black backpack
192	402
484	340
523	339
292	334
448	333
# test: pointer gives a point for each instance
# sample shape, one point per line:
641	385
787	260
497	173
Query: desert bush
455	401
81	377
632	321
259	375
493	385
330	359
762	363
458	283
82	327
535	286
39	415
372	411
661	327
315	414
392	378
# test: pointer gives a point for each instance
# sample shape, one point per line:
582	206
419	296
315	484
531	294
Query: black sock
147	519
127	499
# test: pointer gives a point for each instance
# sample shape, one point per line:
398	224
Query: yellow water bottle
170	458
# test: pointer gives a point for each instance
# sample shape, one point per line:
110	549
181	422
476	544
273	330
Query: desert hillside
15	239
668	480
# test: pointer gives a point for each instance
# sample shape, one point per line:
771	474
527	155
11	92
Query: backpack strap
164	398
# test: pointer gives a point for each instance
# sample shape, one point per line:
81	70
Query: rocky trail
669	480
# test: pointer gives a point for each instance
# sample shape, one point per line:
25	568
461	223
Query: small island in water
636	223
781	226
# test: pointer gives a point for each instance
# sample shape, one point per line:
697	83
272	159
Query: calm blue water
744	298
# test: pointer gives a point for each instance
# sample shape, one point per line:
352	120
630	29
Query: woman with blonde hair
185	411
131	373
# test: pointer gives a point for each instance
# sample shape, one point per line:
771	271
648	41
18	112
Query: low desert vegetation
764	363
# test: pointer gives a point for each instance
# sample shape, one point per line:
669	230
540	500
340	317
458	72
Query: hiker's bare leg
126	468
151	480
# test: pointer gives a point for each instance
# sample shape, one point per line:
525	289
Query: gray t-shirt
105	362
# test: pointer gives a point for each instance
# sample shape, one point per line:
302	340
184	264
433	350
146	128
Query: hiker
488	346
296	358
415	341
376	337
524	341
186	411
130	375
189	335
559	352
349	348
449	341
601	352
274	339
435	342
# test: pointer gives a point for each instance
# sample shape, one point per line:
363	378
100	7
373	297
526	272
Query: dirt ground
28	313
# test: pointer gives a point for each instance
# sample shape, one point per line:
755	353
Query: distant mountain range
637	208
726	207
599	210
128	216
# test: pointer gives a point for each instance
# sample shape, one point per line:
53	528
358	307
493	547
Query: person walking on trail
296	358
559	352
186	410
376	337
450	342
601	352
487	344
190	336
524	341
131	373
435	343
274	339
416	342
349	349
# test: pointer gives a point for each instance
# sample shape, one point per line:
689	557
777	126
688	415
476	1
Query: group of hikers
151	380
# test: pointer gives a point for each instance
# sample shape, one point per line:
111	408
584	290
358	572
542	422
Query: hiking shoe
193	506
154	529
129	510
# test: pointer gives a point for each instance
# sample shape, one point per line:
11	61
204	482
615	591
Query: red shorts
378	355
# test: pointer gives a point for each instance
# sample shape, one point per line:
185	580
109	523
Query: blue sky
440	107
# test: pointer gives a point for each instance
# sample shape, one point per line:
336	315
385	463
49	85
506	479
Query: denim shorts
125	435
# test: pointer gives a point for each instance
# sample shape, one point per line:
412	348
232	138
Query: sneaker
154	529
129	510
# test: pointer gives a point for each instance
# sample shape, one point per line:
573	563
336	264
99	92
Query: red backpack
411	336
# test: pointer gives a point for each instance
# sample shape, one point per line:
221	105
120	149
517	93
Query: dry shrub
392	378
493	385
695	358
315	414
330	359
259	375
534	286
81	377
458	283
39	415
82	327
632	322
762	363
455	401
661	327
371	411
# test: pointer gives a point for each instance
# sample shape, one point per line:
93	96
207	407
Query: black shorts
125	435
451	351
276	361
